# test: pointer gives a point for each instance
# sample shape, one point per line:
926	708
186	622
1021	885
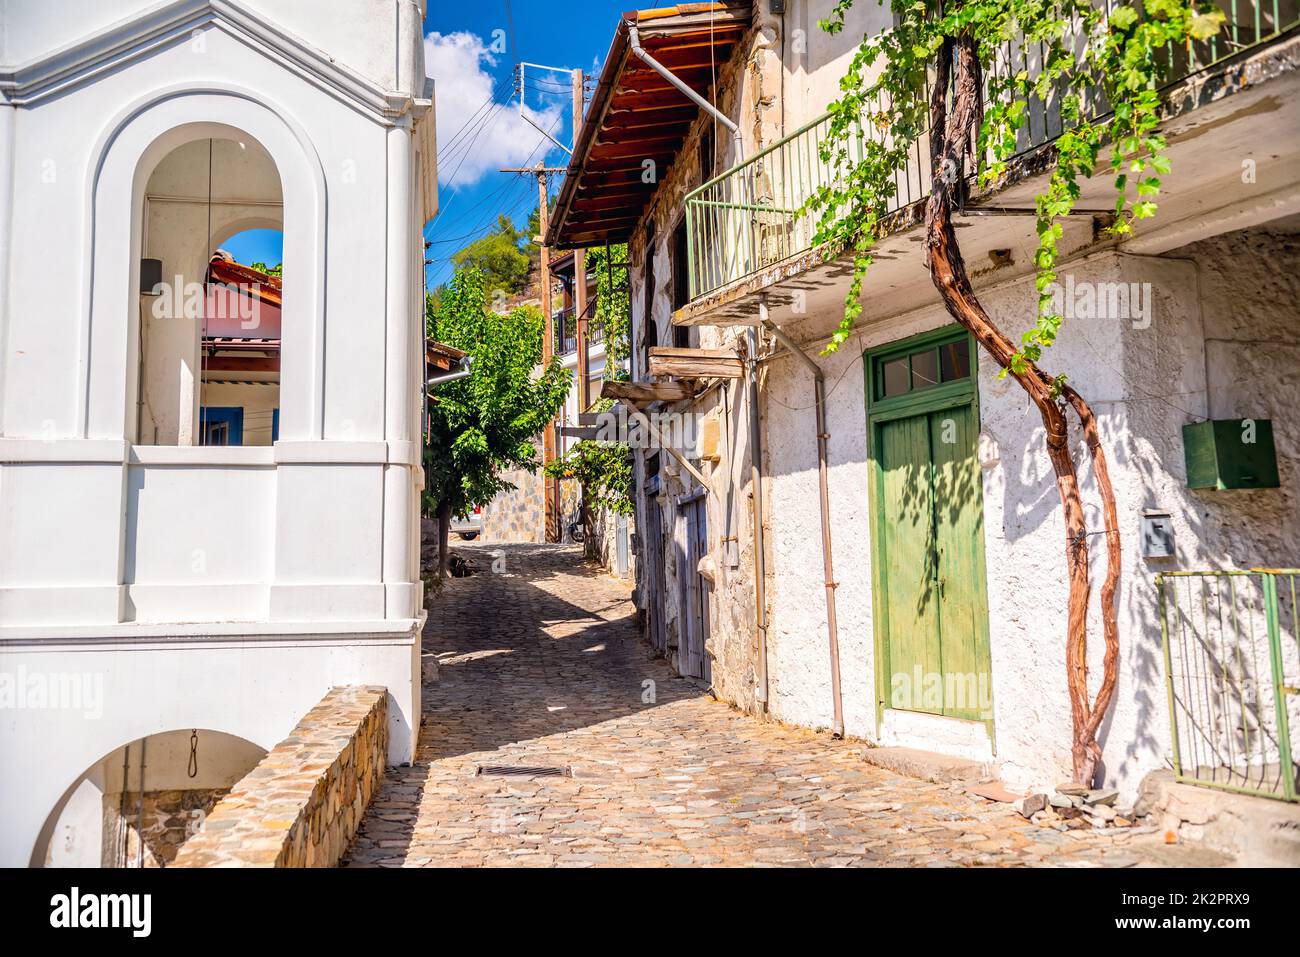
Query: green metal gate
1232	674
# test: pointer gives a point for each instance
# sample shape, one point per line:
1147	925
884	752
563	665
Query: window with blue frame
222	425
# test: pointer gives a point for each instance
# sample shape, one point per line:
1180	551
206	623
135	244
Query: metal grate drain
523	771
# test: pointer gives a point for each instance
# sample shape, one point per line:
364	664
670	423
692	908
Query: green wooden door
931	618
907	503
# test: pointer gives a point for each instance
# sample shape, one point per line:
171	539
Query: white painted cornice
50	74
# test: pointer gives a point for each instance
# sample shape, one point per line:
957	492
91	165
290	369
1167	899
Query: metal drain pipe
634	40
465	368
819	391
756	490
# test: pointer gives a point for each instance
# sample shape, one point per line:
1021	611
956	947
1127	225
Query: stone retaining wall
302	804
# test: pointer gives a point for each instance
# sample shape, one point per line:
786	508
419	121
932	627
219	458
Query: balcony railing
752	217
566	331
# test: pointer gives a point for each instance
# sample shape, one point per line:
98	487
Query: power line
494	215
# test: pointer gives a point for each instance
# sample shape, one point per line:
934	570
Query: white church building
207	519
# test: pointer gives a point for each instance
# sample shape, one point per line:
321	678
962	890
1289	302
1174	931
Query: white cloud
459	64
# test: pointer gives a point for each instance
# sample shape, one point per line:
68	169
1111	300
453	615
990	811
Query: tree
277	270
605	468
1085	51
486	422
500	256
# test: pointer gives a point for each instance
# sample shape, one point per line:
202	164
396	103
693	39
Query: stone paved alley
542	665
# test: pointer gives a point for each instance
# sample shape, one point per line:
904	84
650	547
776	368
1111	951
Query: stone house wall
1223	342
169	819
518	515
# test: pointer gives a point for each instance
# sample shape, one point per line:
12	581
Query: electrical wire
492	217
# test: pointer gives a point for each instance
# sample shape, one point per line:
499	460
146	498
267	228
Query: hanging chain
193	768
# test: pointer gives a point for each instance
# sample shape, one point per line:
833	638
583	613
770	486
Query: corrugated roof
635	115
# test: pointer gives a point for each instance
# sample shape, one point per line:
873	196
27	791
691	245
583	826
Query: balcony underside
1247	110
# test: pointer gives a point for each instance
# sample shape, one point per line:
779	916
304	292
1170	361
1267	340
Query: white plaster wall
815	60
253	688
76	836
799	652
226	589
1144	384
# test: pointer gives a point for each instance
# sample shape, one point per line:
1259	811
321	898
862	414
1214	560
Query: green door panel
958	557
912	606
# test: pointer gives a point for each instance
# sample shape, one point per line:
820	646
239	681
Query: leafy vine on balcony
1086	51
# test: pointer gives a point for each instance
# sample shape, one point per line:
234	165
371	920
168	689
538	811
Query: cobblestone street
541	665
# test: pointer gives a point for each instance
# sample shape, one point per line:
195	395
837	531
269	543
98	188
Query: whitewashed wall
1225	305
225	588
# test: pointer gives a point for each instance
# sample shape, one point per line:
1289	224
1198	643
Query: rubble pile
1074	806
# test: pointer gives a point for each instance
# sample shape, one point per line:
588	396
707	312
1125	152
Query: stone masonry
301	805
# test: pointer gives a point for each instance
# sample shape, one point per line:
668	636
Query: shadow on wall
1250	347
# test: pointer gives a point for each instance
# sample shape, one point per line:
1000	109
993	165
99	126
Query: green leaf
1207	24
1123	17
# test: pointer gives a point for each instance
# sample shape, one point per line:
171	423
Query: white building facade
156	577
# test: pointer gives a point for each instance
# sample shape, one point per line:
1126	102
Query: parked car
469	526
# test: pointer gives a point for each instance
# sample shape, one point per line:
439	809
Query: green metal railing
1232	677
752	217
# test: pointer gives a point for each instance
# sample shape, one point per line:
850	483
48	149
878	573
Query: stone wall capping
302	804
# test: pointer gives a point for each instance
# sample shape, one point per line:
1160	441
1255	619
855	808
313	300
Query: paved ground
540	664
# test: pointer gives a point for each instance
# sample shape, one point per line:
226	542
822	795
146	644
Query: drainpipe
8	114
819	389
634	39
464	370
756	488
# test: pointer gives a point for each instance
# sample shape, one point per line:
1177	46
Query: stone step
926	765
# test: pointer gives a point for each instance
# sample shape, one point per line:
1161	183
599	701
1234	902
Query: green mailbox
1230	453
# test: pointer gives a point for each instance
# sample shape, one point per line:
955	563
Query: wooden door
694	606
700	548
931	618
654	573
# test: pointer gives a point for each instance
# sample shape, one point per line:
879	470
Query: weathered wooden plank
695	363
645	391
587	432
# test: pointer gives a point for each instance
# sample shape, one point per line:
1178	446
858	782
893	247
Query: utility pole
552	487
580	266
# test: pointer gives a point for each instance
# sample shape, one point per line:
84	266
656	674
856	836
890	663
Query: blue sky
463	50
471	50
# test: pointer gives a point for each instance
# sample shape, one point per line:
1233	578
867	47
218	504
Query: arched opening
159	788
210	324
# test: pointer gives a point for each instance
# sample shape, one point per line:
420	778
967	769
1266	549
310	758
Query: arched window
211	297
